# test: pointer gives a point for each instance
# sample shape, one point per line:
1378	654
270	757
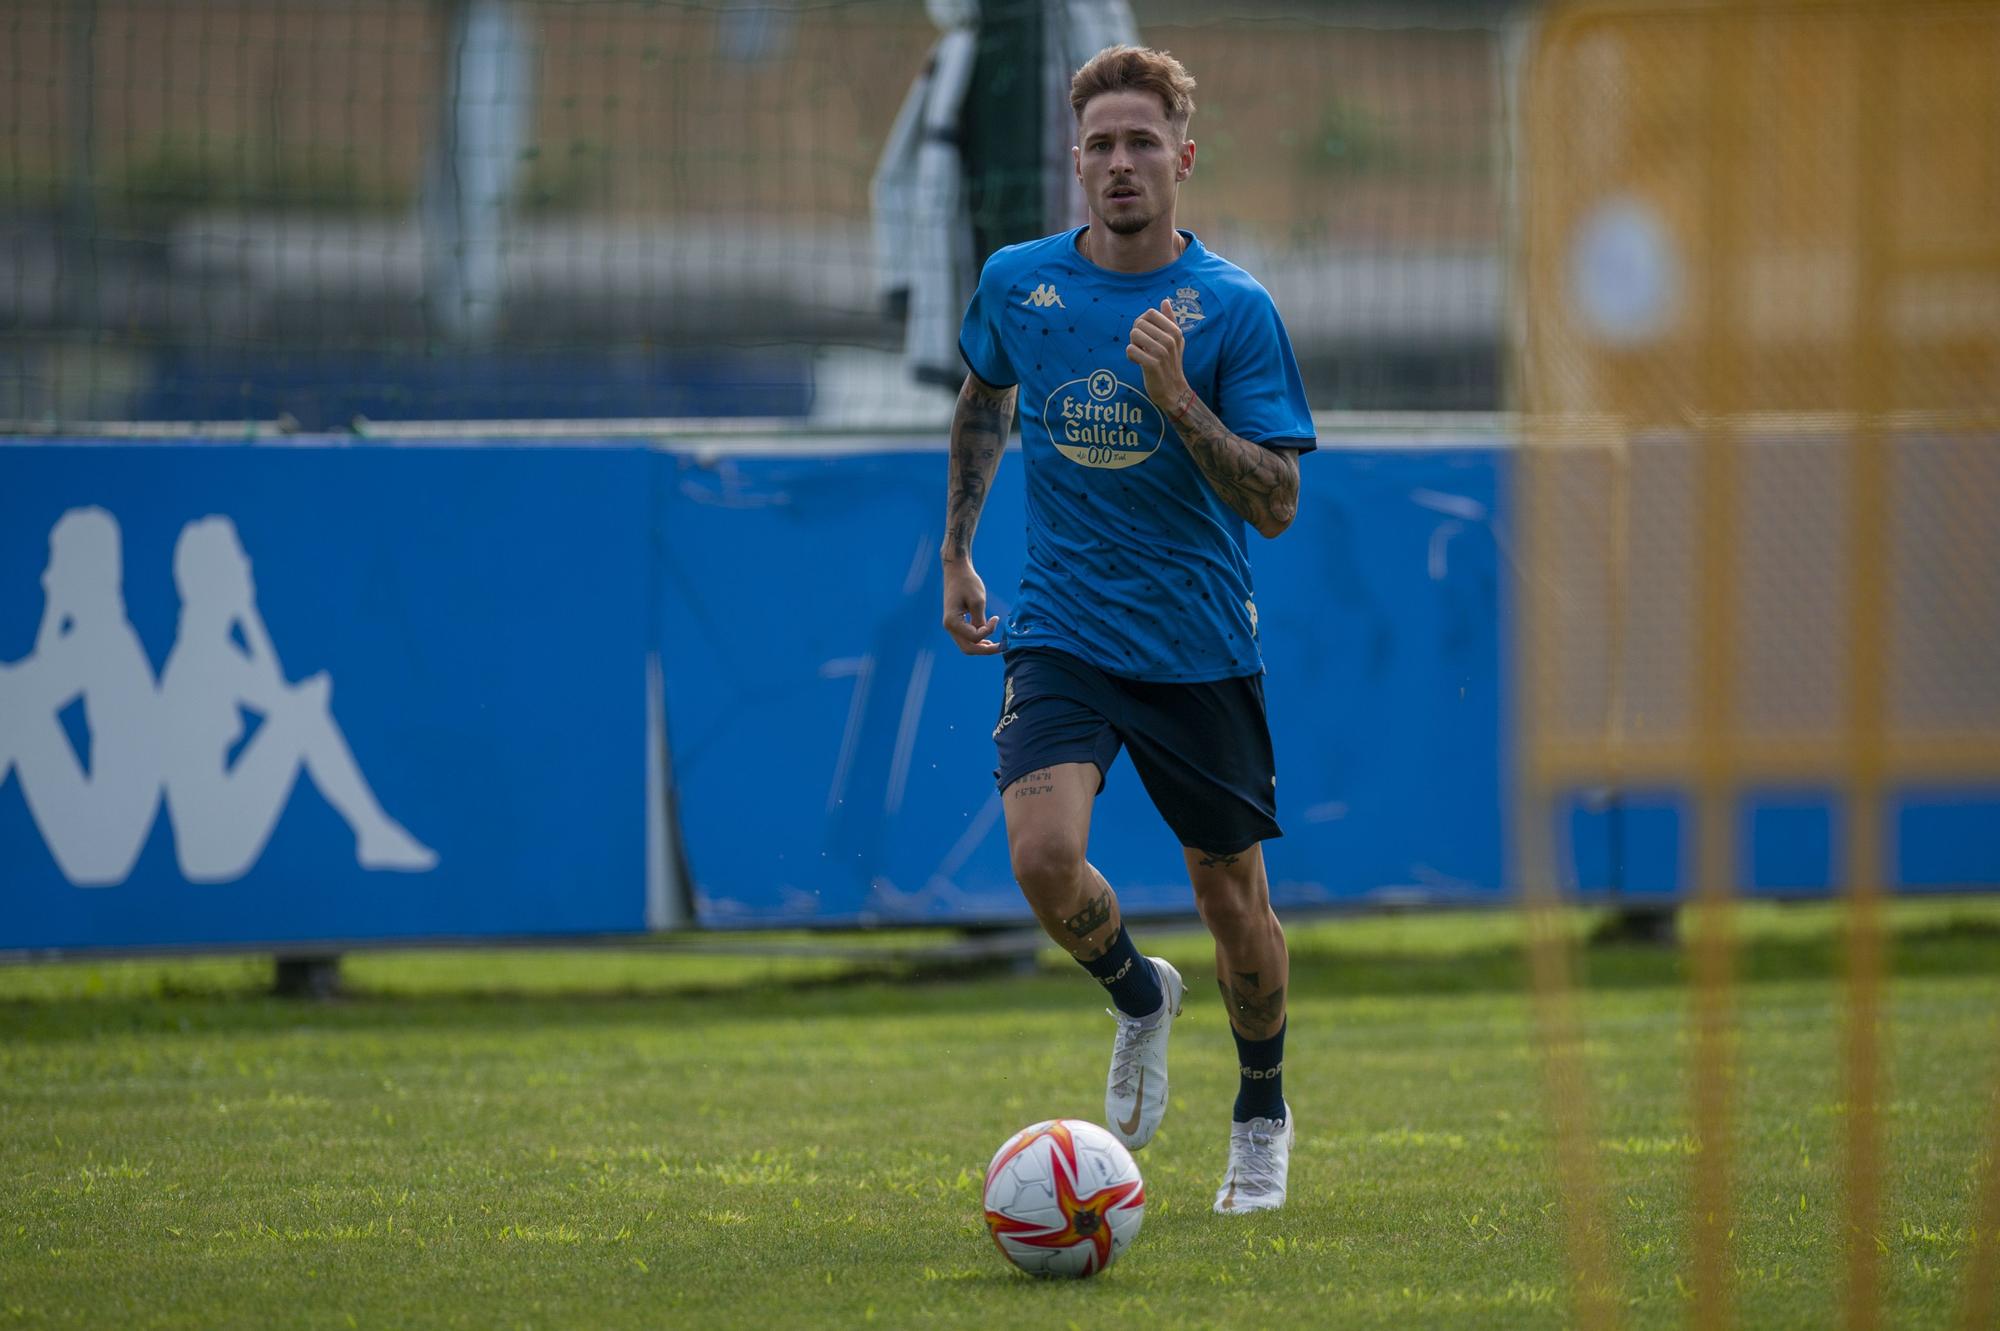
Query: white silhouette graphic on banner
94	820
223	815
176	738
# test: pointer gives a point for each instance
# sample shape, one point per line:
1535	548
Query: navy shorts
1202	750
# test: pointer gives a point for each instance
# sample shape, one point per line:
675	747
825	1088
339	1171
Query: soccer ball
1063	1198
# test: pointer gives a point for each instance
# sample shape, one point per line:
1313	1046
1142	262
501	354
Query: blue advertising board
832	762
834	755
1382	642
321	692
275	692
832	749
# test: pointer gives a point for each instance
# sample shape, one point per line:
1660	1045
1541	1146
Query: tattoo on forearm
1249	1007
978	434
1261	484
1094	916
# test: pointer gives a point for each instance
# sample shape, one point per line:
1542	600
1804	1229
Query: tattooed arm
1261	484
978	433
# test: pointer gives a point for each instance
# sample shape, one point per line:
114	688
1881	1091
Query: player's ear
1076	162
1185	167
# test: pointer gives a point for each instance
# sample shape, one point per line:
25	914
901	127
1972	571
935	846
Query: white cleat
1135	1094
1260	1155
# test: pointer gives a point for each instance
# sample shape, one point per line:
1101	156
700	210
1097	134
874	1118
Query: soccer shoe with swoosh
1135	1093
1260	1155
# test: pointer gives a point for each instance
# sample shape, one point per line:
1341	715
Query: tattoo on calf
1247	1005
1094	916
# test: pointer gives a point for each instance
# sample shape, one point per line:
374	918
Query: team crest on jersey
1102	421
1187	308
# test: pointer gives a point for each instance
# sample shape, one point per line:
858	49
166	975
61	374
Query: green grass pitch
645	1138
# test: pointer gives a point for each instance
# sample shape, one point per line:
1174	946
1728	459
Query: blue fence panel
831	748
286	693
1947	839
833	751
1382	646
480	614
1640	844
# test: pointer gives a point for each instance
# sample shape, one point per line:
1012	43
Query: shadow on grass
1321	969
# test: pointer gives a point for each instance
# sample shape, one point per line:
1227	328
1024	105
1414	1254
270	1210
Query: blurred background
576	375
1656	349
322	210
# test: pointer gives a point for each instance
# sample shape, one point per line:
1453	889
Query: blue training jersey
1134	563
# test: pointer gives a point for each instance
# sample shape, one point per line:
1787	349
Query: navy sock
1260	1092
1130	979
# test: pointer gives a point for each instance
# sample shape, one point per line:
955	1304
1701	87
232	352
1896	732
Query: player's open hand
1155	348
965	617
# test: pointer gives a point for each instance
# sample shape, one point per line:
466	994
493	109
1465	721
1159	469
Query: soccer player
1161	410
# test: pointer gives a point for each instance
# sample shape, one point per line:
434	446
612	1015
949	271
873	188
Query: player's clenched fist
1155	347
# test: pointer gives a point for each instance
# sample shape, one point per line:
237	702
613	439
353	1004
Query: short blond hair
1136	69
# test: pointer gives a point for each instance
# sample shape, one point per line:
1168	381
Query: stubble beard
1130	224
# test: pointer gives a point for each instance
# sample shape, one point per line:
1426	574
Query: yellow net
1759	488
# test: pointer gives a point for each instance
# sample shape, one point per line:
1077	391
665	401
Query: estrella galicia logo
1102	421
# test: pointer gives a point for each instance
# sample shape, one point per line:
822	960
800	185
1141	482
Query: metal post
313	975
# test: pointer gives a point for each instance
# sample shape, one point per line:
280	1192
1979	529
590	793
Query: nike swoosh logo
1131	1125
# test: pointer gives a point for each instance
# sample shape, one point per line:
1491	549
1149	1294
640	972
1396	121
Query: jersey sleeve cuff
989	380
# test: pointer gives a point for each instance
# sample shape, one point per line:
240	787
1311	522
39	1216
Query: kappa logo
179	739
1044	296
